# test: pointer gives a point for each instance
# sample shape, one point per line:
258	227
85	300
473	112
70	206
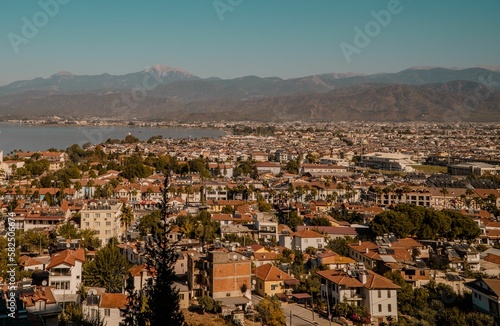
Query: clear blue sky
285	38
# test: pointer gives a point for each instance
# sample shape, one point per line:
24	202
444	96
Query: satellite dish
235	257
254	281
44	283
94	291
89	292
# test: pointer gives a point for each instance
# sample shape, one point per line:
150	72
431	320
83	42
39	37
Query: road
300	315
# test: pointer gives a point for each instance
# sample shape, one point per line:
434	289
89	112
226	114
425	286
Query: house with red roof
270	280
305	238
357	285
65	268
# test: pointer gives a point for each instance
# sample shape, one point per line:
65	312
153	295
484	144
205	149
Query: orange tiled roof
66	257
113	300
307	234
268	272
374	280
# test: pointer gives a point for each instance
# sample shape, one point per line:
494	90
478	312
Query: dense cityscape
336	222
250	163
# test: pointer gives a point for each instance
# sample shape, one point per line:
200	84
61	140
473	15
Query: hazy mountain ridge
414	93
364	102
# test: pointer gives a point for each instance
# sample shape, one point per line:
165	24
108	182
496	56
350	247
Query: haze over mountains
419	93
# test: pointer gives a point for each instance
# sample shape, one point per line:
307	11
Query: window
86	215
379	294
97	224
228	294
87	224
318	240
379	307
422	272
97	215
107	312
108	223
273	287
389	308
108	232
108	214
260	286
305	240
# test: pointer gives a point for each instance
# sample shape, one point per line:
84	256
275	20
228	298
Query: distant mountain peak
63	74
431	67
163	70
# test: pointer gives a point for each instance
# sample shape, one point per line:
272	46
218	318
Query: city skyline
235	38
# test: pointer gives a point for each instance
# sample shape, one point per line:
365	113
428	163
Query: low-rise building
485	296
360	286
270	281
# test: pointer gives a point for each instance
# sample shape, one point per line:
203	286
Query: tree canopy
425	223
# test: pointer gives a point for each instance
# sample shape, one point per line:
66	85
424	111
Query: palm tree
90	186
127	217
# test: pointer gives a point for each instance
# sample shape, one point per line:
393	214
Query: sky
235	38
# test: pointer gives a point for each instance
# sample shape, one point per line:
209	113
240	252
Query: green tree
108	268
150	224
270	311
340	245
294	220
160	294
127	216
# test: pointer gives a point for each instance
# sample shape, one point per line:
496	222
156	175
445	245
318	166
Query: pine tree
158	302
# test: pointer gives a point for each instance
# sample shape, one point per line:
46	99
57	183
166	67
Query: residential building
485	295
388	161
109	306
229	275
65	270
301	240
270	281
323	169
266	226
357	285
34	303
104	218
268	167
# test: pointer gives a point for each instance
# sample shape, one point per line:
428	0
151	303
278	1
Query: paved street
300	315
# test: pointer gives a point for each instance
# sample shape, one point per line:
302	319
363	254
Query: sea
42	137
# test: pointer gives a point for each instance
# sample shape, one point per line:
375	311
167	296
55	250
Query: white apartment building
360	286
305	238
65	273
388	161
104	218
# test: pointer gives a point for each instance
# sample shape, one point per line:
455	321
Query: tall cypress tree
158	302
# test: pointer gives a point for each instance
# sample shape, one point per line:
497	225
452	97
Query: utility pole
290	318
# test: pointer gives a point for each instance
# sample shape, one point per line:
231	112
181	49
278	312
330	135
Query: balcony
60	273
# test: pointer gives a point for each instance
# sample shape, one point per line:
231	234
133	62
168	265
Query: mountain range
163	92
